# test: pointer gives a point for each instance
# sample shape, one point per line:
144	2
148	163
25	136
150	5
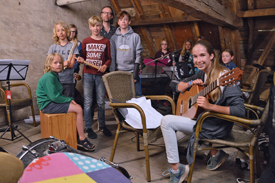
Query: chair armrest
164	97
246	90
246	84
254	107
226	117
21	84
4	95
132	105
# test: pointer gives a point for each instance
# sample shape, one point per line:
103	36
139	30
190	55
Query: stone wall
26	33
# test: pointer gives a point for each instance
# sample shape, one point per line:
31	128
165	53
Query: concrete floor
133	161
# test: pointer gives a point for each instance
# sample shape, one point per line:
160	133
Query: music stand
12	70
154	67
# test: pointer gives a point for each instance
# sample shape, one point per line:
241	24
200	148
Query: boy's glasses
109	13
73	31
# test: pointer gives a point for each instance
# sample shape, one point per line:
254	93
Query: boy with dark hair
96	51
126	49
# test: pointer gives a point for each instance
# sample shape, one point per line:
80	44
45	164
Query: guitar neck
205	91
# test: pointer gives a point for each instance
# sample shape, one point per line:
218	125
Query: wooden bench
62	126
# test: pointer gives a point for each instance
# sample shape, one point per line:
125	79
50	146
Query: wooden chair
16	103
237	138
120	87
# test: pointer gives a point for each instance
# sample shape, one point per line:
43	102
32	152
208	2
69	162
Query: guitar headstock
231	77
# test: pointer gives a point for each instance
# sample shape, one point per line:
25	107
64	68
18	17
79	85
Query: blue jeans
138	88
68	90
89	82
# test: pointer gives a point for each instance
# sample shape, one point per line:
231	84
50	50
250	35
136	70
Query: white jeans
169	125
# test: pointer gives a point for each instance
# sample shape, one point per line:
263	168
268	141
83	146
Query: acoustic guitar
187	102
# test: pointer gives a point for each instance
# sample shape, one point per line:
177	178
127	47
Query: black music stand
12	70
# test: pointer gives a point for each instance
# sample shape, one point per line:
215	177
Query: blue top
230	65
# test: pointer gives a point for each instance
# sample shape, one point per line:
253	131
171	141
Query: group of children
55	89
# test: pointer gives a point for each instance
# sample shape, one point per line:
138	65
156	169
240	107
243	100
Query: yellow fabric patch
83	178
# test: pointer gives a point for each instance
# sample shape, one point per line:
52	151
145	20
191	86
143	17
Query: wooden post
262	57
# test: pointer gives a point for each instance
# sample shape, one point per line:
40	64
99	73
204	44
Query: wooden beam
159	21
250	21
116	6
250	4
149	40
257	13
207	10
66	2
145	31
167	28
262	57
137	5
235	37
197	29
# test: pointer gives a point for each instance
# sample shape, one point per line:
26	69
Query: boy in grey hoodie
126	49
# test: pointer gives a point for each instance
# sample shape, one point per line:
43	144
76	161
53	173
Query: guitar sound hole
189	103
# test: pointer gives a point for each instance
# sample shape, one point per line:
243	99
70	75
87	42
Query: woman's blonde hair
65	27
215	70
168	47
49	59
182	53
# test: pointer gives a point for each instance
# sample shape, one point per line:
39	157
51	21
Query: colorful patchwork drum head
70	167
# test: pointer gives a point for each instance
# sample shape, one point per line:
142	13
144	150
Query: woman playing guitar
226	100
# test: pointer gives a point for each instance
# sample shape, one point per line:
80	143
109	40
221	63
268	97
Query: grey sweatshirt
126	50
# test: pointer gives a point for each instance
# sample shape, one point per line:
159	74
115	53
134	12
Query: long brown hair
183	51
215	70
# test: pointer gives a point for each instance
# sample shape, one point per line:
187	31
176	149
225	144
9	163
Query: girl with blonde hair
63	46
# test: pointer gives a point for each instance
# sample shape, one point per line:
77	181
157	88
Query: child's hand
203	102
102	68
80	60
197	82
66	63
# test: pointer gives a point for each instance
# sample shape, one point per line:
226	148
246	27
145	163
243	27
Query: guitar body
187	102
183	103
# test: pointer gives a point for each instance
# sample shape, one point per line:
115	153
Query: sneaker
106	131
181	175
91	133
215	162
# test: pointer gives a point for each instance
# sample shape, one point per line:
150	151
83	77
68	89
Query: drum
46	146
35	150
